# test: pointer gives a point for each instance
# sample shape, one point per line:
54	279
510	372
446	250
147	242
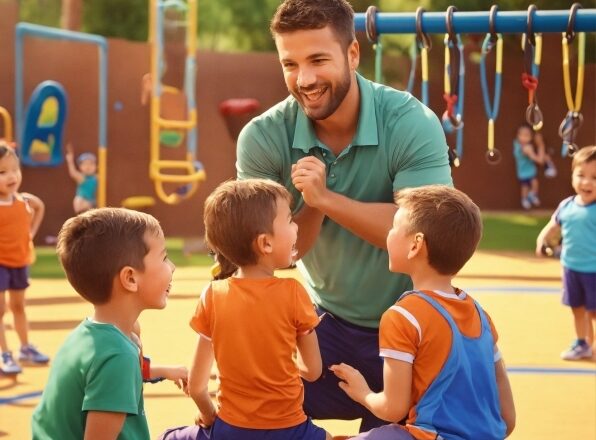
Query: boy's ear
416	246
128	278
263	244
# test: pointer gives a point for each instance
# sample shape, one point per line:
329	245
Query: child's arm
505	396
103	424
547	235
176	373
198	381
391	404
309	359
528	150
37	208
72	169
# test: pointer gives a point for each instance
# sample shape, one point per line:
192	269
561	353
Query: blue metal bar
506	22
28	29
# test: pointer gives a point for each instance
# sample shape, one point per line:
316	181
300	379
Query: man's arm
369	221
103	424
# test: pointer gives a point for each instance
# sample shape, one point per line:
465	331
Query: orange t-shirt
15	233
413	331
253	325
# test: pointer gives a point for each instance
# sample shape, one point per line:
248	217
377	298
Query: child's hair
296	15
86	156
584	155
449	220
94	246
6	150
236	212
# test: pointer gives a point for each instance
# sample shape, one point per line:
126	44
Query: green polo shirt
399	143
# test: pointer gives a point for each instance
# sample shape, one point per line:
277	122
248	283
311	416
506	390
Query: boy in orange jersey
252	322
20	217
442	367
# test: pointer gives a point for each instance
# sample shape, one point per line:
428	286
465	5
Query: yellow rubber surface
554	398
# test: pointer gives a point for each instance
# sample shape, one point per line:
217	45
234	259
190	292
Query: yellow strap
446	79
424	63
574	105
538	49
491	134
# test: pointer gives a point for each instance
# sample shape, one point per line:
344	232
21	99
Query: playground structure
530	24
175	121
493	187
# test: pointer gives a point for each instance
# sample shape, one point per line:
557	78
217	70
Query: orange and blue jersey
450	342
254	325
15	233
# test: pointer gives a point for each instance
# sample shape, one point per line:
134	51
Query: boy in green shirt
116	259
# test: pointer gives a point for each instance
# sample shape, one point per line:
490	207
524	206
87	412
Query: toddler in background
85	177
575	222
20	217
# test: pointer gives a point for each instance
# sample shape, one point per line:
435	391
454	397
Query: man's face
317	70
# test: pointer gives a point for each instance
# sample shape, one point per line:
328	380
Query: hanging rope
373	38
422	44
454	80
493	155
532	49
574	119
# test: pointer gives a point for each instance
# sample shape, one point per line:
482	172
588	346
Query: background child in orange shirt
442	367
20	217
252	322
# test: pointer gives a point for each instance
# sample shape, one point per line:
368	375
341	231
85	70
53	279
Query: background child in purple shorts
575	221
20	217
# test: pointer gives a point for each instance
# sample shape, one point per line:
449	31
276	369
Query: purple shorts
387	432
14	278
579	289
526	182
342	341
224	431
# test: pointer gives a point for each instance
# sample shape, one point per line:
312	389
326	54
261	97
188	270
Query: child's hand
69	152
179	375
352	381
203	420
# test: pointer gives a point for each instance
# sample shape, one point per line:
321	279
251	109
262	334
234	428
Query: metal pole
477	22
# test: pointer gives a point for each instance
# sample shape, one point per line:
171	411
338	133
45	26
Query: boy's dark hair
297	15
94	246
584	155
235	213
449	220
6	150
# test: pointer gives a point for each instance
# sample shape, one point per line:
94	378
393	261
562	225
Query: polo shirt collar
366	134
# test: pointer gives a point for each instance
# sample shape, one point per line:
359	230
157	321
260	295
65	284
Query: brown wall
223	76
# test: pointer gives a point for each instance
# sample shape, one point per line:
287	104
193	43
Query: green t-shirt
96	369
399	143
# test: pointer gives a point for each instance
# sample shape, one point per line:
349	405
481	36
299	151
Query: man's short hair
450	221
94	246
298	15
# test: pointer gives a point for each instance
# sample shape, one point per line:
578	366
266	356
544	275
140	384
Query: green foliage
116	18
44	12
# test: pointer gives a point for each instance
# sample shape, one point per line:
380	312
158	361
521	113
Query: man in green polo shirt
343	146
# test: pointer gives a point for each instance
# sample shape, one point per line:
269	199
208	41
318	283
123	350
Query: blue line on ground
513	370
7	400
515	289
538	370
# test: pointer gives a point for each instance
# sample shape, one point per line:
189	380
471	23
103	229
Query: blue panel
44	126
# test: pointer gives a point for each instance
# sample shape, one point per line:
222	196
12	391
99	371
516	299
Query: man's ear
354	55
263	244
128	278
416	245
